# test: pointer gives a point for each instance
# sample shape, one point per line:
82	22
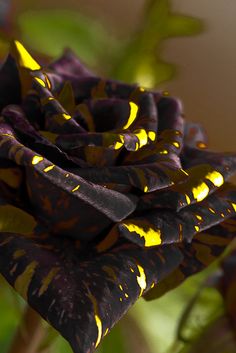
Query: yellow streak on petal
97	319
25	59
40	81
145	189
211	210
48	81
234	206
36	160
152	135
201	145
141	279
163	152
200	192
50	167
15	220
216	178
142	137
18	253
184	171
198	217
197	228
76	188
23	281
49	135
187	199
132	115
66	116
99	326
151	237
120	143
11	176
176	144
47	280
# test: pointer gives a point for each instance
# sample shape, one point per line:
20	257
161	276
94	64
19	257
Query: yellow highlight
18	253
145	189
201	145
120	143
187	199
37	159
25	59
23	281
151	237
197	228
99	327
47	280
234	206
176	144
97	319
216	178
40	81
66	116
48	81
152	135
211	210
132	115
164	152
142	137
141	279
198	217
76	188
50	167
183	171
200	192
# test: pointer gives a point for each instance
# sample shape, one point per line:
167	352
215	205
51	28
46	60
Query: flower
107	194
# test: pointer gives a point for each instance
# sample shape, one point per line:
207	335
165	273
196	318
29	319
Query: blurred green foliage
138	58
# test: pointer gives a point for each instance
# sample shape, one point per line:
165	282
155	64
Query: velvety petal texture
107	194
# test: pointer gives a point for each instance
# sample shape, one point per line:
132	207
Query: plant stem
29	334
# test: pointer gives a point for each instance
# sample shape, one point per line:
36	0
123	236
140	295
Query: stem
29	334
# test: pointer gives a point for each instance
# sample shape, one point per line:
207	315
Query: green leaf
141	58
49	32
183	26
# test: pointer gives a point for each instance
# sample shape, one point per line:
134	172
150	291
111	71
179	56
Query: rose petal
65	193
81	293
160	226
205	248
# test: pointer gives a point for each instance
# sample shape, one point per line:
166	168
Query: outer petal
205	248
65	200
203	180
160	226
80	292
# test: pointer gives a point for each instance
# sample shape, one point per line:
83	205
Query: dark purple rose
106	192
